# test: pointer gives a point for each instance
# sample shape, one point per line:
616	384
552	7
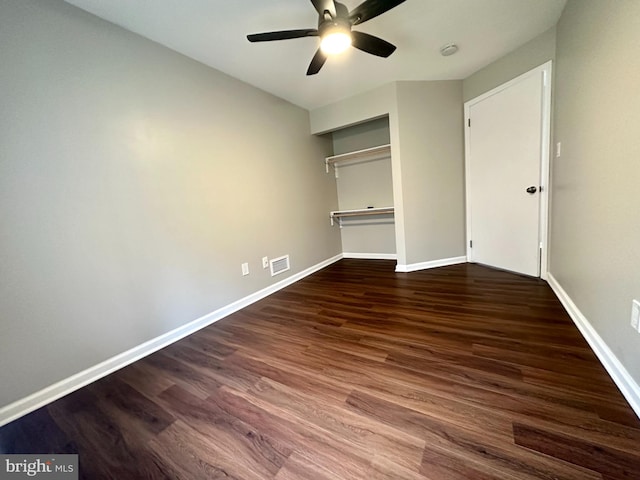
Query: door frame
545	70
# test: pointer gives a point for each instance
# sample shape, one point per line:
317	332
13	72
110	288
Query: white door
506	165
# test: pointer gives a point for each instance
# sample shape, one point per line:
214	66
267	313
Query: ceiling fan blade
316	63
373	45
322	6
370	9
282	35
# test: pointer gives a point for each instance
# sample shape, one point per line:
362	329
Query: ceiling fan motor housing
335	25
327	24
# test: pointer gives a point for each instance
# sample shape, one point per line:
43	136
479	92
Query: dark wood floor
358	372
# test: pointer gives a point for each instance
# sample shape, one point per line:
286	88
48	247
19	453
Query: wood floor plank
474	447
290	376
358	372
601	458
211	367
599	388
145	380
186	454
358	433
352	371
206	342
313	451
545	359
104	451
37	432
179	373
139	418
499	386
262	456
439	464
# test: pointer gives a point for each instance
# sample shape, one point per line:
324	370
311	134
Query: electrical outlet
635	315
265	262
245	269
558	149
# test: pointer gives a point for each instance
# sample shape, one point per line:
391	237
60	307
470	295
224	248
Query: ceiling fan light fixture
335	41
334	30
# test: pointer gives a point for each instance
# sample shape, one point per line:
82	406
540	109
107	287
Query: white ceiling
214	33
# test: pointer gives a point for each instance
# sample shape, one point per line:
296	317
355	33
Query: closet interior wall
365	184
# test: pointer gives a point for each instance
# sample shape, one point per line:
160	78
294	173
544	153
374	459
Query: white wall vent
279	265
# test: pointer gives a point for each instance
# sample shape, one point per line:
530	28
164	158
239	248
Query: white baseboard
627	385
59	389
371	256
413	267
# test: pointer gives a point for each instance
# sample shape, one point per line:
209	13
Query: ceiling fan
334	29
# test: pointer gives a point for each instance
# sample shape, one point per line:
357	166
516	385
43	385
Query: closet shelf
374	153
360	212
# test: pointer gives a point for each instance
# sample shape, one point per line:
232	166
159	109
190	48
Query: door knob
532	189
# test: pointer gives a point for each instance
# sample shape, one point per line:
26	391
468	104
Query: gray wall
358	137
363	184
530	55
595	221
366	106
427	149
431	154
133	183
